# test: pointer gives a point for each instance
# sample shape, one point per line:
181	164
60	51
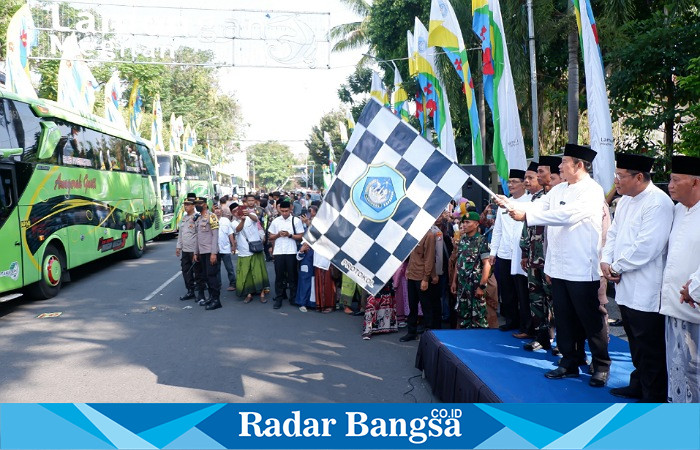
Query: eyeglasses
619	176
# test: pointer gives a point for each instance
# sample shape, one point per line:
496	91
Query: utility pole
533	83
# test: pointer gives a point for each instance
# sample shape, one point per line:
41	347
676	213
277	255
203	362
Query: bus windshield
164	166
197	171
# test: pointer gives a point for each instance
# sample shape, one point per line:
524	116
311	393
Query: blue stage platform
490	366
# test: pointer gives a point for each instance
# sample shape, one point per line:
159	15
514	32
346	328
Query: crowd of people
541	259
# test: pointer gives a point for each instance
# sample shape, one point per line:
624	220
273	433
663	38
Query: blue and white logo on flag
377	193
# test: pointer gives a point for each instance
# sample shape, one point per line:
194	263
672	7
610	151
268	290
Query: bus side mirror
10	152
50	135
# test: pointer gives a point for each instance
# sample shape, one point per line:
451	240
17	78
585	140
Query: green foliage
318	148
690	133
353	35
273	163
644	92
7	10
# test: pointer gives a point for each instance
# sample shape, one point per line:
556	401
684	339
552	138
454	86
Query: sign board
109	32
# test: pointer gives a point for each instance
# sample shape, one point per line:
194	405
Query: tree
318	148
644	90
690	133
353	35
273	163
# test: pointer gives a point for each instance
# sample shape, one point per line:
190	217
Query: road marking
161	287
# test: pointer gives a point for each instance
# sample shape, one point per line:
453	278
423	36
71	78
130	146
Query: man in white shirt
285	232
680	290
574	217
634	257
505	254
226	244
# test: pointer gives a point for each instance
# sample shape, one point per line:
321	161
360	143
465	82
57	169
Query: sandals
262	298
327	310
248	299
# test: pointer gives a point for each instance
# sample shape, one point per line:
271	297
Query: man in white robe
574	217
506	255
680	291
634	258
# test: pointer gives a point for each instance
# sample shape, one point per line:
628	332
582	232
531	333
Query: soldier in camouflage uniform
471	274
532	244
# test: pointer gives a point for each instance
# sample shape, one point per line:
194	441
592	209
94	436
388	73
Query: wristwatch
482	286
613	273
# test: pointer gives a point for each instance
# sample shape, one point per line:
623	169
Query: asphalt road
123	336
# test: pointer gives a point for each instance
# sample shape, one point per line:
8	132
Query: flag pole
533	83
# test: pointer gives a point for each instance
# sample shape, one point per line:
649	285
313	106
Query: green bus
73	188
178	175
223	182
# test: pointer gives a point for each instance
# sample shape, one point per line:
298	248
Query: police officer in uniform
187	245
207	253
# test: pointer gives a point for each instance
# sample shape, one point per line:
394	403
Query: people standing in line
251	272
533	254
227	244
187	246
680	289
208	252
548	174
633	258
286	232
506	256
573	214
420	274
471	274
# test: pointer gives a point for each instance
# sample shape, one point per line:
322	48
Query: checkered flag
391	186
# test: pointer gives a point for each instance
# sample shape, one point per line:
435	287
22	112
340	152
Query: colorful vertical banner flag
444	31
329	170
113	94
435	96
482	27
508	144
157	126
343	130
413	72
207	151
599	120
350	120
378	91
400	97
76	85
21	37
190	137
135	109
174	143
185	144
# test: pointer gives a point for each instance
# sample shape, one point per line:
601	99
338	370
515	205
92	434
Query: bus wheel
52	267
139	242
